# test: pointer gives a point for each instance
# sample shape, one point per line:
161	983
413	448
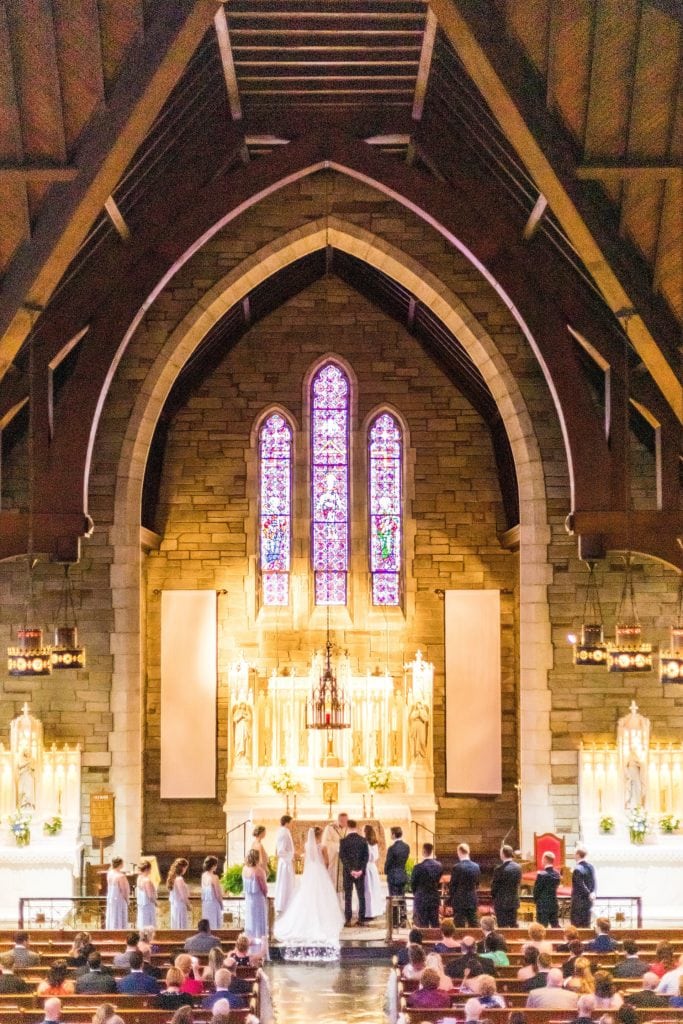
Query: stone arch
535	571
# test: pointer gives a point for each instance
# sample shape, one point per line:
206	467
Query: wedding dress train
309	928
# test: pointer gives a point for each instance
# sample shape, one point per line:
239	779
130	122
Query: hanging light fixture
67	653
327	707
590	650
30	657
627	653
671	661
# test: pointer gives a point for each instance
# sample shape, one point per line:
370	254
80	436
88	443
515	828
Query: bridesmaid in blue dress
212	894
146	893
179	894
118	894
255	888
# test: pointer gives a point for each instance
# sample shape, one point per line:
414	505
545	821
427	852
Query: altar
380	767
631	808
40	812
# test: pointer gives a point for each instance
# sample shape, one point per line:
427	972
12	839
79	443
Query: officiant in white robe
284	878
332	837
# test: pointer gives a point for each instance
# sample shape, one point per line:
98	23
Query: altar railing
87	913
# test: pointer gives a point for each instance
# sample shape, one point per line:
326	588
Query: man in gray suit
553	996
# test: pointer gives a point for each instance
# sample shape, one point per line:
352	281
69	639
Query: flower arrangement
53	826
638	824
668	823
606	824
378	779
284	782
20	827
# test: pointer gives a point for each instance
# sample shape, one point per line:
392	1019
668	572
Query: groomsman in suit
425	883
354	855
505	889
395	870
463	889
583	890
545	892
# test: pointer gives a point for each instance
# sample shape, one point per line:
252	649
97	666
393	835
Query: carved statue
418	732
633	743
634	783
26	780
241	723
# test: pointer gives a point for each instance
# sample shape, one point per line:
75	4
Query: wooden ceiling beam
229	74
614	173
502	77
36	172
148	74
425	66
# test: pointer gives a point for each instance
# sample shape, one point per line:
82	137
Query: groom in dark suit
395	870
354	854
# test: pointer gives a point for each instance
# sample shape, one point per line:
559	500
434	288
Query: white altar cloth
48	867
653	871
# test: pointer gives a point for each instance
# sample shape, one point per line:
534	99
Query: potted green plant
606	825
53	826
668	824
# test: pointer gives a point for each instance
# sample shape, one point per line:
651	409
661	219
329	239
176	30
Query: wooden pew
665	1016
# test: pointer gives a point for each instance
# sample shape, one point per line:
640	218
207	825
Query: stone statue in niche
634	783
25	780
241	724
633	742
418	732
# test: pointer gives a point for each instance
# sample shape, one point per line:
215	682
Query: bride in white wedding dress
309	928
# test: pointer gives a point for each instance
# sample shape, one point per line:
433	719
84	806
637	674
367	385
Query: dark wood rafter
151	69
498	67
108	297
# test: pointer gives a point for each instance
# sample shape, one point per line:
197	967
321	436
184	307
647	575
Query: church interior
340	450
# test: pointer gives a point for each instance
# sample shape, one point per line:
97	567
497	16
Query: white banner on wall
473	682
188	694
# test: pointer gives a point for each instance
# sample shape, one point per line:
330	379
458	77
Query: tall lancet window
385	509
275	460
330	483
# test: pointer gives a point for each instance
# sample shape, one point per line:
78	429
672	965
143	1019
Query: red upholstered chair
548	842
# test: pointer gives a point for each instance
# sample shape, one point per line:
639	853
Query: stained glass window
330	483
275	450
385	510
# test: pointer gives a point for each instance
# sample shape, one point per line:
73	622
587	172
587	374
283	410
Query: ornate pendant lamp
29	656
67	653
590	649
671	661
327	708
627	653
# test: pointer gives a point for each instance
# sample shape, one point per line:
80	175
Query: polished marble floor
328	993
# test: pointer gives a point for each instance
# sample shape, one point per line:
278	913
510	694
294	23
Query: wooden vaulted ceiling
575	105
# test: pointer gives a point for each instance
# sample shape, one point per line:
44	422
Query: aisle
328	993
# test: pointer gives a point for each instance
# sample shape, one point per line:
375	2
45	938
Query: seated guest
414	938
631	966
447	943
56	983
104	1014
603	941
147	945
668	986
10	985
571	934
625	1015
488	995
183	1015
136	982
581	981
576	951
469	964
529	966
495	947
553	996
429	995
23	956
222	991
123	959
172	998
664	959
540	979
239	956
434	962
95	979
516	1017
677	1001
473	1011
52	1010
189	970
537	938
81	949
215	961
416	962
203	941
487	923
606	995
646	997
584	1009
